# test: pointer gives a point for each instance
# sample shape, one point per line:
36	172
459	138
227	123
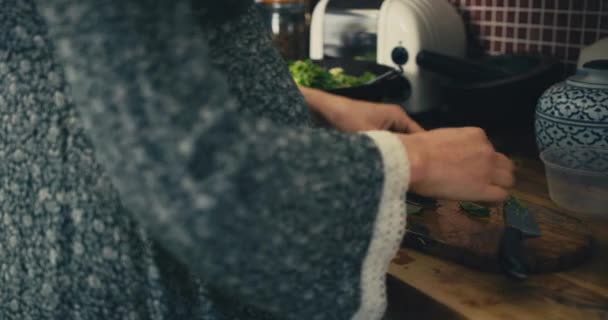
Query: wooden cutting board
447	232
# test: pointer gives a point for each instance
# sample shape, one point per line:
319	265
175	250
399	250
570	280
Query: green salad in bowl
308	74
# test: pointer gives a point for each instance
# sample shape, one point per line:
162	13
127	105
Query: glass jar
286	22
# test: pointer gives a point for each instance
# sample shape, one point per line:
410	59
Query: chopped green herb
514	201
475	210
308	74
366	57
519	207
414	210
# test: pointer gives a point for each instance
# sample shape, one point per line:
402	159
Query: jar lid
593	74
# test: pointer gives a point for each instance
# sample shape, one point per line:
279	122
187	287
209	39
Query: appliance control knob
399	56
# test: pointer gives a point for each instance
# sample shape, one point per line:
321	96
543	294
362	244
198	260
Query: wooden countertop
581	293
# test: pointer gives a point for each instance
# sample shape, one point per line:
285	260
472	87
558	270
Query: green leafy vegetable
475	210
414	210
513	201
366	57
308	74
519	207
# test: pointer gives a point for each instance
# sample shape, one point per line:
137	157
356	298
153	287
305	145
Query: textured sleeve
389	226
282	218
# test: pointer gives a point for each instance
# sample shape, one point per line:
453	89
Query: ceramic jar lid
594	74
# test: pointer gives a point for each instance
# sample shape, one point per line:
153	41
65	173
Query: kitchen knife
520	224
417	203
419	234
420	201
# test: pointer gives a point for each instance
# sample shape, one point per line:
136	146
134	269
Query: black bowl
506	102
393	89
505	107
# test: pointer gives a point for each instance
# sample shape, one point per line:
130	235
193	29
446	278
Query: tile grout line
529	26
493	29
532	10
542	23
515	12
599	20
506	24
584	21
554	39
569	22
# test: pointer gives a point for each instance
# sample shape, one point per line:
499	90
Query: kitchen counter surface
460	292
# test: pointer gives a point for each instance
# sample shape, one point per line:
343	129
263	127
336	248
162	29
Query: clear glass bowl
578	178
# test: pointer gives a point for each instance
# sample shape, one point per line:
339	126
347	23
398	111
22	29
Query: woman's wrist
413	145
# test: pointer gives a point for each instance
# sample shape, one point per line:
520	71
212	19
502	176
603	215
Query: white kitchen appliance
391	33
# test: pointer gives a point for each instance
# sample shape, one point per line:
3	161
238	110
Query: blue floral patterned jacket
157	162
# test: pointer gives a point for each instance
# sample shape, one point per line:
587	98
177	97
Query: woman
205	193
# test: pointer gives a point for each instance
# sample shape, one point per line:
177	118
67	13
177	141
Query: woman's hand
354	116
453	164
457	164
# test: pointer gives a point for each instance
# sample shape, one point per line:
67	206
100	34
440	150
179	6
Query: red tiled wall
557	28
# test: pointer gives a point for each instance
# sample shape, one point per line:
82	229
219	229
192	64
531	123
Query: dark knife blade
420	201
416	204
518	216
520	224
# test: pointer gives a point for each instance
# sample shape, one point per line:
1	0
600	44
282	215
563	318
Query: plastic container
578	178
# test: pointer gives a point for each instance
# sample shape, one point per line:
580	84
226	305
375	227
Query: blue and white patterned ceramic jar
574	113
